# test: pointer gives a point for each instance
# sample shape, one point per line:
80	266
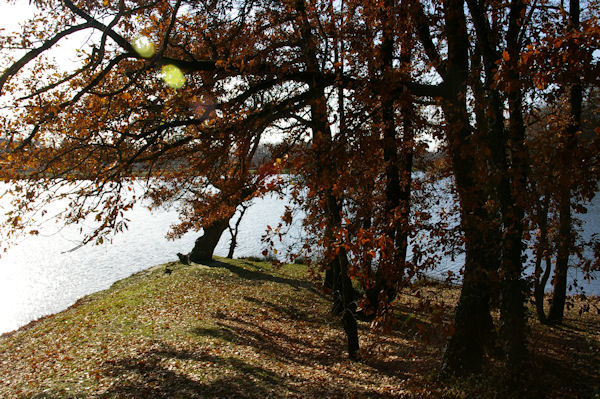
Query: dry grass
244	329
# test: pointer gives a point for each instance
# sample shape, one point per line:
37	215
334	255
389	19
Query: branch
425	38
120	40
17	66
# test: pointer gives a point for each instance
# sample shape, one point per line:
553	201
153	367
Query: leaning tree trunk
204	247
233	231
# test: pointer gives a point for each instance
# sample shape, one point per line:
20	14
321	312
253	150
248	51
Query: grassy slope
244	329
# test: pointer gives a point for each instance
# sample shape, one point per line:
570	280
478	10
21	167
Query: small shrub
269	258
301	260
252	258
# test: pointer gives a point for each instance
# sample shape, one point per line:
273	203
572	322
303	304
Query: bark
556	313
384	284
204	247
398	158
512	308
233	231
323	181
541	276
565	244
406	162
507	170
473	324
565	229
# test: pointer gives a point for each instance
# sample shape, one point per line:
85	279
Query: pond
41	275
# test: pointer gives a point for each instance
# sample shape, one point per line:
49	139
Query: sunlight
143	46
173	76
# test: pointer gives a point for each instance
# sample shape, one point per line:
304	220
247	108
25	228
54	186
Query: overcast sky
12	14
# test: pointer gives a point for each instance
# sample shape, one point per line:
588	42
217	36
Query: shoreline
83	299
78	302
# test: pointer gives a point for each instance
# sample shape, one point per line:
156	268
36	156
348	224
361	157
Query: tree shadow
275	342
298	352
576	364
290	311
220	332
254	275
148	375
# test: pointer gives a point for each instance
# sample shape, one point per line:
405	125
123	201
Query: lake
40	276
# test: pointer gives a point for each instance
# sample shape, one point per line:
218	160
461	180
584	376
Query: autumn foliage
169	101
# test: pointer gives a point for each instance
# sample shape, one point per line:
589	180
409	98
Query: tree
343	85
567	152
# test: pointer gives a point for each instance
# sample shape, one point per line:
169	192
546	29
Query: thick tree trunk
464	351
513	190
204	247
472	321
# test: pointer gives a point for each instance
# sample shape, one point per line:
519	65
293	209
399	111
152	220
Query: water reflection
40	276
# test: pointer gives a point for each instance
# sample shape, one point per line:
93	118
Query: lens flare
173	76
143	46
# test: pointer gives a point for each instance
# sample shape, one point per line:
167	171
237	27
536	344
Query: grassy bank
245	329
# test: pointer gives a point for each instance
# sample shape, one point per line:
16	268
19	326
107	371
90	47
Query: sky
12	14
12	17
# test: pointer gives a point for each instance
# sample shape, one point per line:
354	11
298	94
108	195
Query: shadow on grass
149	375
255	275
290	311
221	333
277	343
258	275
553	369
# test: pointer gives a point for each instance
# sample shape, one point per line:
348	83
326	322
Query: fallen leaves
235	329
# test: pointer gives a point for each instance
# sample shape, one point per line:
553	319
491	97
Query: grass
238	328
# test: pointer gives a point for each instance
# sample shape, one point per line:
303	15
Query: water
39	276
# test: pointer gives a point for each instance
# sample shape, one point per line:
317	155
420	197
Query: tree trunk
541	277
557	308
323	181
565	233
512	307
398	159
387	273
473	324
204	247
233	231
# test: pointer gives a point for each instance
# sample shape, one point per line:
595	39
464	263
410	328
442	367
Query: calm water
39	276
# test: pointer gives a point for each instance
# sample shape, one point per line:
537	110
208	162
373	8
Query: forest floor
244	329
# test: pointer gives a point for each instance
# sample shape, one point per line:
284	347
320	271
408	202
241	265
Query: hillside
239	328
